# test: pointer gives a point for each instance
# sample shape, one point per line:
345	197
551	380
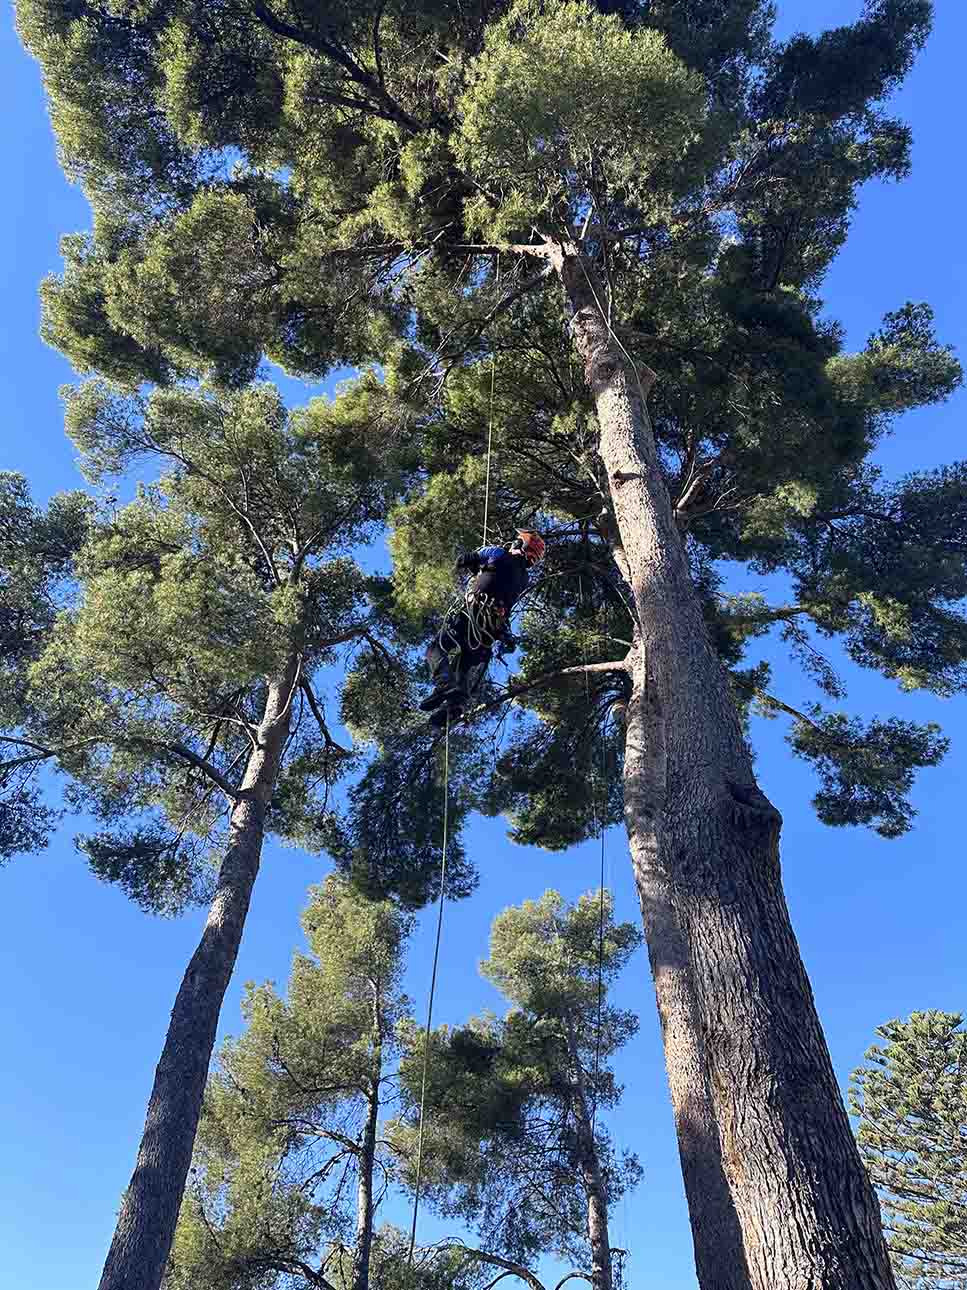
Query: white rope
490	446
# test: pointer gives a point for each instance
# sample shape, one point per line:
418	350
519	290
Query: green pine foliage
281	1142
273	1199
502	1146
269	181
138	638
911	1104
37	550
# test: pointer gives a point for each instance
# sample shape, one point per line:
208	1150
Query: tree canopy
318	185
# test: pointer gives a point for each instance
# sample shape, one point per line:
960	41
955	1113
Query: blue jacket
499	573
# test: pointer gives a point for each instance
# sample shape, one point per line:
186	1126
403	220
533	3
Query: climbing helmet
532	545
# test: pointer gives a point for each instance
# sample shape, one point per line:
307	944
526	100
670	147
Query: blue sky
88	980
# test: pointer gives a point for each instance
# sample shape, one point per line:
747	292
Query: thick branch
391	110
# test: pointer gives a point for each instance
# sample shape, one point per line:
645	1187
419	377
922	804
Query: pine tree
293	1162
289	1169
37	551
513	1143
171	682
911	1103
324	184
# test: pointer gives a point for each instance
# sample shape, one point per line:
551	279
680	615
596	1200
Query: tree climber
461	651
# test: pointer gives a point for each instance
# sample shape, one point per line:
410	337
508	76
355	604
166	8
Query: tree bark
710	862
367	1157
716	1235
599	1238
149	1210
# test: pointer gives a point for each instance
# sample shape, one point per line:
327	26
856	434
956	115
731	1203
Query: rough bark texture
149	1211
719	1252
806	1211
599	1238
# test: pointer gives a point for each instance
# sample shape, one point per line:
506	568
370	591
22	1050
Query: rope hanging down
443	861
429	1009
490	445
490	425
597	819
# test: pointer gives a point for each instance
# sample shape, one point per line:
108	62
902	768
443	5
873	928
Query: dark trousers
453	660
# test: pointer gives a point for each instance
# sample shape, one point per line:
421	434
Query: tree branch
180	750
580	669
495	1260
390	110
773	702
320	719
186	754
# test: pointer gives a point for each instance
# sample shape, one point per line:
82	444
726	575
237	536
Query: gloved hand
507	644
469	562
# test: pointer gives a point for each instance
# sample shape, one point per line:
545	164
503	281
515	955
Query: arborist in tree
461	651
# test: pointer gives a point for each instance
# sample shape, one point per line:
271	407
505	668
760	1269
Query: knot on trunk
748	807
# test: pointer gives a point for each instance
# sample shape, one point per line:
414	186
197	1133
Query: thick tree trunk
149	1211
806	1211
599	1238
717	1238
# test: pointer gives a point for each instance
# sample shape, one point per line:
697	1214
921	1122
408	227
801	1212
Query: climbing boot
436	697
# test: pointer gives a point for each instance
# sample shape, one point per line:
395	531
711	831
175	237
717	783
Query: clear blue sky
88	981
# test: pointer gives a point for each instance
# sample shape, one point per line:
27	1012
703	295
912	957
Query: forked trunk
149	1211
803	1203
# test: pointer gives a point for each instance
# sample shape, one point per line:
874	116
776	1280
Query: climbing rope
429	1009
490	445
597	819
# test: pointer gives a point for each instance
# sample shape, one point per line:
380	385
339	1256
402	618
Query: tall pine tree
164	659
327	183
513	1139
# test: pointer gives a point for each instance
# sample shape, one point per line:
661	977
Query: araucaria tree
309	181
513	1143
171	681
911	1102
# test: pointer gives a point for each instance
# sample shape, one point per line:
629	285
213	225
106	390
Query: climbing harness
486	617
429	1009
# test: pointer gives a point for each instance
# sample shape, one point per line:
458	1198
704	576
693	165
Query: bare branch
495	1260
581	669
320	719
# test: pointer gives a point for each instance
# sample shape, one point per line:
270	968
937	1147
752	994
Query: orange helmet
532	545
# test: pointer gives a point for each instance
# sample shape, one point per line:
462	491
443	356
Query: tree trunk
805	1208
367	1157
149	1211
602	1277
716	1235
